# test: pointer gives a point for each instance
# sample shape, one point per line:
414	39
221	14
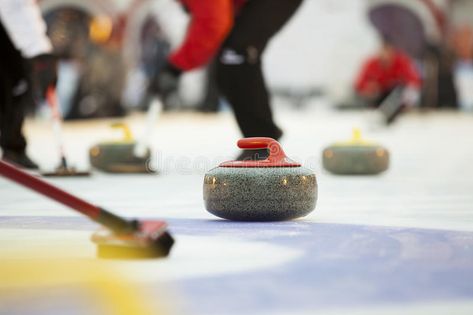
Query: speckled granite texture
260	194
356	160
118	158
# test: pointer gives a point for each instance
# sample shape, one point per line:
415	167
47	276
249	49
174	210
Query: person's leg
13	97
3	104
239	73
211	101
13	114
12	141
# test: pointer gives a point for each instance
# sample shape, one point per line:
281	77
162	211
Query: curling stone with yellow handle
120	156
356	157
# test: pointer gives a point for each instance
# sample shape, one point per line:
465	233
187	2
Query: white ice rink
398	243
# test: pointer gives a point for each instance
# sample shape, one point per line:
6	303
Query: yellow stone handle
100	29
356	140
127	134
356	135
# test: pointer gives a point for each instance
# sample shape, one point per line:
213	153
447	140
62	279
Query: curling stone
273	189
356	157
120	156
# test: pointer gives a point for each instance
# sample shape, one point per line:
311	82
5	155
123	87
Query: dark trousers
239	69
13	95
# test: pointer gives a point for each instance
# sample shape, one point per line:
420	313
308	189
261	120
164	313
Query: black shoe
20	159
253	155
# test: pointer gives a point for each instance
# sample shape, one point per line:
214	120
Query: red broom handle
46	189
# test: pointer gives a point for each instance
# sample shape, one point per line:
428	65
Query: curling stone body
118	157
268	190
356	157
356	160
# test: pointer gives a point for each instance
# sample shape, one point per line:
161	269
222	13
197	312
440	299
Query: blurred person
237	33
462	44
389	70
439	90
26	58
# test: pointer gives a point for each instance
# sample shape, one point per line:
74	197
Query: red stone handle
276	153
276	158
256	143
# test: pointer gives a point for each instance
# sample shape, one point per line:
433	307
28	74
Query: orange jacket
211	21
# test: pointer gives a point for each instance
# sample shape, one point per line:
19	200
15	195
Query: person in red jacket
236	33
383	73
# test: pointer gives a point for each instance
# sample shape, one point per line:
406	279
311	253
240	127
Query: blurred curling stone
128	156
120	156
273	189
355	157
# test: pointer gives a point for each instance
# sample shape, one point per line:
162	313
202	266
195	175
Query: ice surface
402	240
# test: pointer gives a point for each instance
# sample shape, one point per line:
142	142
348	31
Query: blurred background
110	48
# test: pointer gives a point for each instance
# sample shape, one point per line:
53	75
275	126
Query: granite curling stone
355	157
119	156
274	189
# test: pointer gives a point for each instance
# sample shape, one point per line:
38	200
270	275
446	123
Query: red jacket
401	71
211	21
